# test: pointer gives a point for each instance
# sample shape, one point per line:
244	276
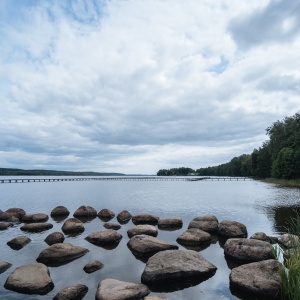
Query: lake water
258	205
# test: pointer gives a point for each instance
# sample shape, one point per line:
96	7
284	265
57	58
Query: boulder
288	240
112	289
248	250
113	226
5	225
60	254
173	266
93	266
36	227
54	238
156	298
72	292
124	217
208	223
142	229
19	242
35	218
106	214
30	279
260	279
194	236
170	223
85	211
232	229
59	211
72	226
145	219
17	212
4	266
262	237
145	245
9	217
104	237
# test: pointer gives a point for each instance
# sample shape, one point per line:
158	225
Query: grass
290	271
284	182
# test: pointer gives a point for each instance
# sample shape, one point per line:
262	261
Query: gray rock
72	225
113	226
5	225
194	236
54	238
106	214
93	266
112	289
19	242
30	279
169	223
208	223
104	237
232	229
145	245
142	229
176	265
35	218
260	236
36	227
288	240
124	217
17	212
9	217
73	292
248	250
59	254
4	266
259	278
85	211
145	219
59	211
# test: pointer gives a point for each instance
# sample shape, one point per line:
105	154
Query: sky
134	86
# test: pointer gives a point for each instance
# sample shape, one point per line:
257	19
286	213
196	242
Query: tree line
277	157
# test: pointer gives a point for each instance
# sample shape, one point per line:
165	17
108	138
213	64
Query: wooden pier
123	178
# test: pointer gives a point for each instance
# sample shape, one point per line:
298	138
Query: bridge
124	178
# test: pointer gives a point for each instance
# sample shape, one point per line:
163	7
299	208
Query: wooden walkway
124	178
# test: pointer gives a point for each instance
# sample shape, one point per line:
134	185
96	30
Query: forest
277	157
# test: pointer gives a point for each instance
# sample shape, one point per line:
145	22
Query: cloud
133	86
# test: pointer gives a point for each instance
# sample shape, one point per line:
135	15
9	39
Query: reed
284	182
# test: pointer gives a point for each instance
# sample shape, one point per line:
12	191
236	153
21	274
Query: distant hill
20	172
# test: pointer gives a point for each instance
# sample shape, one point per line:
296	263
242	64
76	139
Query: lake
260	206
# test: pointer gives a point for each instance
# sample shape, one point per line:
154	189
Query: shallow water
260	206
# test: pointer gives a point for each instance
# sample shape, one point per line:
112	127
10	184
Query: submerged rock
124	217
54	238
5	225
258	279
93	266
232	229
17	212
145	219
104	237
142	229
85	211
35	218
59	211
194	236
36	227
30	279
208	223
72	292
106	214
113	226
72	225
170	223
19	242
4	266
112	289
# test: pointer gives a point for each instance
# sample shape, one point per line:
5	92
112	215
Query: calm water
260	206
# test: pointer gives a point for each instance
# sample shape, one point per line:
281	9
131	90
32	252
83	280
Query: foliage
176	172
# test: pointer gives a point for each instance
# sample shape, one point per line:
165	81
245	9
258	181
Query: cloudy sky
135	86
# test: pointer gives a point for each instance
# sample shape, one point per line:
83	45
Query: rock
155	298
30	279
260	236
259	278
194	236
36	227
208	223
288	240
113	226
72	225
72	292
93	266
173	266
106	214
145	219
124	217
4	266
248	250
17	212
112	289
9	217
145	245
5	225
35	218
142	229
232	229
59	211
18	242
54	238
85	211
104	237
60	254
170	223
